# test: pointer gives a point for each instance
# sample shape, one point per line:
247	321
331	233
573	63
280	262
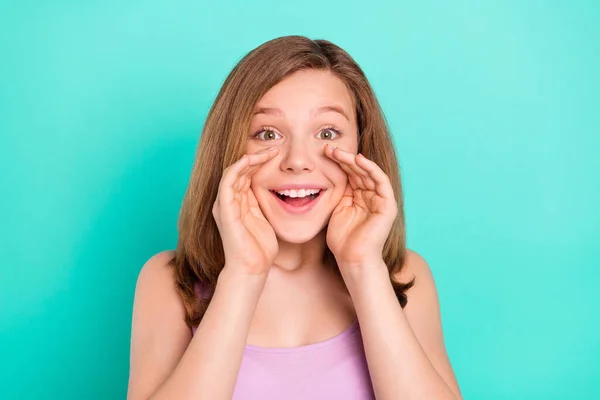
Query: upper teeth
298	193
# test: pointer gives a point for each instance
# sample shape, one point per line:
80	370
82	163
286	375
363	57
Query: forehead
307	90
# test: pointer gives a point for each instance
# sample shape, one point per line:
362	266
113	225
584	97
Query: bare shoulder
159	335
422	297
156	268
415	266
155	287
424	316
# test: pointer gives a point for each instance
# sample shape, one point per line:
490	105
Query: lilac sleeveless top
333	369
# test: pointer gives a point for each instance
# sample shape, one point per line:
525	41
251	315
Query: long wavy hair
199	256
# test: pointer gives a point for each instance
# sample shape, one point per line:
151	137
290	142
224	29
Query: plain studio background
494	110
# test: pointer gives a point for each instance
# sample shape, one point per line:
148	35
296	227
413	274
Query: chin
298	233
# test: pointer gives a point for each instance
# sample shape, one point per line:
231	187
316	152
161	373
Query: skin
301	302
405	349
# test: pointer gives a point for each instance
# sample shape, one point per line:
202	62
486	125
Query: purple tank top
332	369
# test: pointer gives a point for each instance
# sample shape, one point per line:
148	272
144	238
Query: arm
166	361
405	348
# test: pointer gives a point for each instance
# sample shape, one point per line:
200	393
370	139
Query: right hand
249	241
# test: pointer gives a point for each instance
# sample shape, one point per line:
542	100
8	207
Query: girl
290	233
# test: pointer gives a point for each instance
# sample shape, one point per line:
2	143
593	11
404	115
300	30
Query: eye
331	132
269	133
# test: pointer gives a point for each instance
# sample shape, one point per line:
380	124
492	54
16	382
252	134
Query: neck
298	258
300	265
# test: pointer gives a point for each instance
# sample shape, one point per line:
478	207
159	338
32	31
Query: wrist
367	264
357	272
243	277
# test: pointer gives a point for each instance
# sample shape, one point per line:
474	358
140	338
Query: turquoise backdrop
494	107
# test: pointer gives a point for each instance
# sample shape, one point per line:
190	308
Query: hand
361	222
249	242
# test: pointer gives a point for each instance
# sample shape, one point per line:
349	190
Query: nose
298	156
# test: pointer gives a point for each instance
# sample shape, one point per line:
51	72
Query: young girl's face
301	115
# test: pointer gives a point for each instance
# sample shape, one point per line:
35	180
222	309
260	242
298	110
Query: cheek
259	179
334	172
253	147
339	177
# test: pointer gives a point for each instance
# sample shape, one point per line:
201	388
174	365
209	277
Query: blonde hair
199	255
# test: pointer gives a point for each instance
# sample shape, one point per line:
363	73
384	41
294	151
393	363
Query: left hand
361	222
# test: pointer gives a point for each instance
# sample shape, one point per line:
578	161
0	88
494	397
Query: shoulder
424	316
155	287
156	296
156	267
416	267
159	335
423	308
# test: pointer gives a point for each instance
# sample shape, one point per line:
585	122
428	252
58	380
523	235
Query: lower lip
298	210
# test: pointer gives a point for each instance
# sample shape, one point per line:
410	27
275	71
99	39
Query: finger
340	155
255	161
347	163
364	175
252	202
350	159
242	181
355	181
258	159
254	207
360	172
225	193
244	206
382	181
263	156
347	198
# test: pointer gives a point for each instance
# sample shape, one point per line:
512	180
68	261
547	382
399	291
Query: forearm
398	366
210	364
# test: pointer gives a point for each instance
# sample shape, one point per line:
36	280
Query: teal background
494	110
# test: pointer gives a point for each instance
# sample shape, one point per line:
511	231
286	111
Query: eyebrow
321	110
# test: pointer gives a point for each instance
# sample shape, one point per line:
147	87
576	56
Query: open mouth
298	202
